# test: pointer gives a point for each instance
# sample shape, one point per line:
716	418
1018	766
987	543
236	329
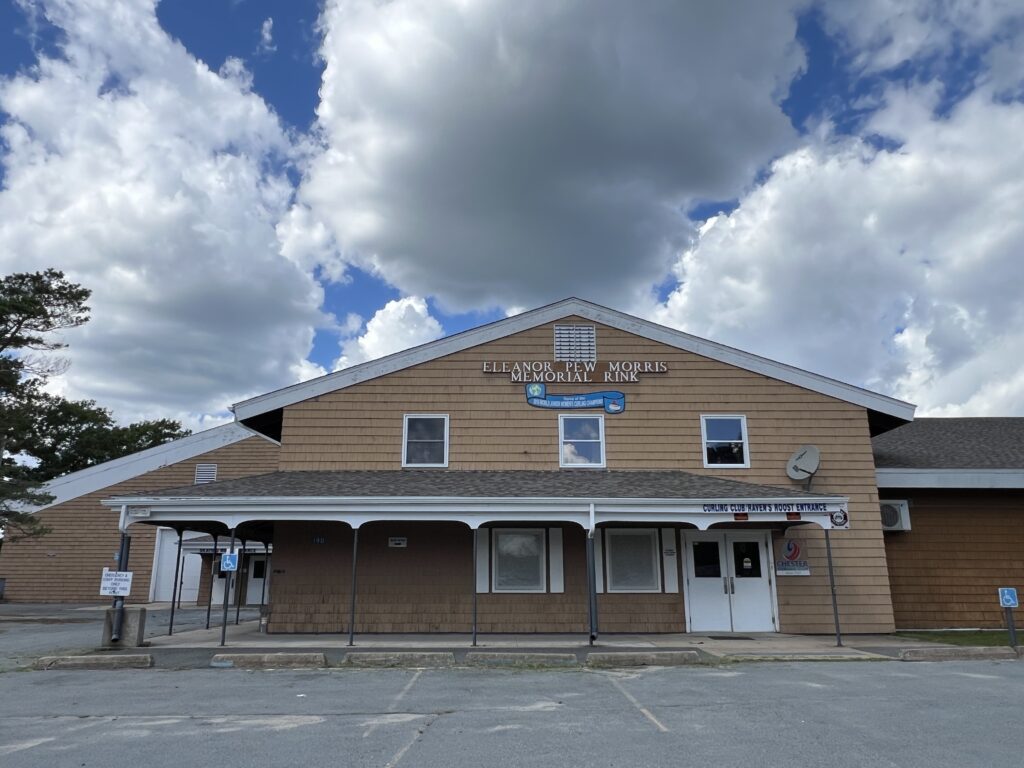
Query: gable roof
952	453
95	478
885	412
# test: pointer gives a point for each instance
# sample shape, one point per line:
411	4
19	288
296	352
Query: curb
400	659
759	657
652	659
961	653
122	661
269	661
495	659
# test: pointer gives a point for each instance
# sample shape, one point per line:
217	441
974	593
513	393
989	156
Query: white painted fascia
949	478
109	473
533	318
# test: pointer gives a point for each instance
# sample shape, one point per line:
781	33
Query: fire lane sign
115	583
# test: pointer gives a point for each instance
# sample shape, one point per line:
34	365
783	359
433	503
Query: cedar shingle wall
492	427
962	546
65	565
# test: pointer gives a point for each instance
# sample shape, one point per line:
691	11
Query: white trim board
296	393
109	473
949	478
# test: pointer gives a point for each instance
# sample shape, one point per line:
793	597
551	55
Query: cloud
158	184
400	324
266	37
496	154
897	269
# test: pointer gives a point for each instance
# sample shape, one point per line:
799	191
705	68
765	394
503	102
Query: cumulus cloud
502	154
150	179
400	324
900	269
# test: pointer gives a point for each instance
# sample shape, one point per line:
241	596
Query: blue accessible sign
1008	597
229	561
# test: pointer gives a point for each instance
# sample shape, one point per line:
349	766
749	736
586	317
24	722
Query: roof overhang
950	478
826	511
886	412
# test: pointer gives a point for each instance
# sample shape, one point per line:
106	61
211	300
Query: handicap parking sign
1008	597
229	561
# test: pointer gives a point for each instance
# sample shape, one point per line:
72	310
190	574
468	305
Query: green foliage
43	436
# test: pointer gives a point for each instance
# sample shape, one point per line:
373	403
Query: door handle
725	585
732	584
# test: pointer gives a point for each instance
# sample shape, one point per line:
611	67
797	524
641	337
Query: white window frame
609	545
405	437
561	440
704	440
495	535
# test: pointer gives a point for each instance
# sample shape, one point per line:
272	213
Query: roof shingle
943	443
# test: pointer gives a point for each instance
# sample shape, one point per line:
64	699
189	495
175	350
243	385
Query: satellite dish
804	462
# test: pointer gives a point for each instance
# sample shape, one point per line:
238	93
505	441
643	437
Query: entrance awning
478	497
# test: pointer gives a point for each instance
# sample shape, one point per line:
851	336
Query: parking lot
822	713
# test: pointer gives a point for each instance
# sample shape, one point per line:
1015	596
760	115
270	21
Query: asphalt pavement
841	714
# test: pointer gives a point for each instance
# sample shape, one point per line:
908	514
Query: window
205	473
581	440
725	441
425	437
519	560
577	343
632	560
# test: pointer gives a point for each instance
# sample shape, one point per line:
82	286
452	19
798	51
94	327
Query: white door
728	582
254	592
707	593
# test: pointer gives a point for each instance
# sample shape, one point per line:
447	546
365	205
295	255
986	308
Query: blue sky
322	185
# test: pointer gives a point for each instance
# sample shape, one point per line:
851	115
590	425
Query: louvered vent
577	343
206	473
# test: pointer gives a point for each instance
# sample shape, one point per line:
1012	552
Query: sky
260	192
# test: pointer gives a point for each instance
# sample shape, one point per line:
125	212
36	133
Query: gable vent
575	343
206	473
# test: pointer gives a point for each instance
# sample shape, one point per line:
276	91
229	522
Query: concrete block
98	661
643	659
133	629
269	660
958	653
400	659
496	659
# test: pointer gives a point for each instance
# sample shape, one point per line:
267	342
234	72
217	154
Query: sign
398	542
612	402
1008	597
791	563
115	583
575	372
229	561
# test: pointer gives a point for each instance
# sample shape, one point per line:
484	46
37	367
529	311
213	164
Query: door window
707	563
747	558
258	568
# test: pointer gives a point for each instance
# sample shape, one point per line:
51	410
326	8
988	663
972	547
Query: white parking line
632	700
395	701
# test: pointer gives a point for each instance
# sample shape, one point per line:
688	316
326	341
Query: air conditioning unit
895	515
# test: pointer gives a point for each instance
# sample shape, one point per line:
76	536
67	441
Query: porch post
473	538
213	578
352	610
227	594
175	588
592	585
832	586
122	565
240	587
266	575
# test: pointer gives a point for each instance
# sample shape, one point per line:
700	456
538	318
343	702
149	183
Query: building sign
115	583
398	542
791	563
576	372
612	402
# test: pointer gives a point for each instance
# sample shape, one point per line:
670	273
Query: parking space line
632	700
409	744
395	701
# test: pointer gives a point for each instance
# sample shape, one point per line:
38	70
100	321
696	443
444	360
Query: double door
728	582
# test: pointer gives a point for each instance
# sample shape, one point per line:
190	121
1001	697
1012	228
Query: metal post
352	611
266	573
175	587
592	584
122	565
239	586
473	534
227	594
1011	626
213	580
832	586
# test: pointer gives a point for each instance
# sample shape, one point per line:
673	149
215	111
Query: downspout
592	574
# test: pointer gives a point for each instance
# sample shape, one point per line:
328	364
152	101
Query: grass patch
990	637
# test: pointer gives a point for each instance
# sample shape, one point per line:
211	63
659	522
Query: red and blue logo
792	551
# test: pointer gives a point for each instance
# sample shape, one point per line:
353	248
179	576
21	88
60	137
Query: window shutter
555	560
483	559
205	473
576	343
670	560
